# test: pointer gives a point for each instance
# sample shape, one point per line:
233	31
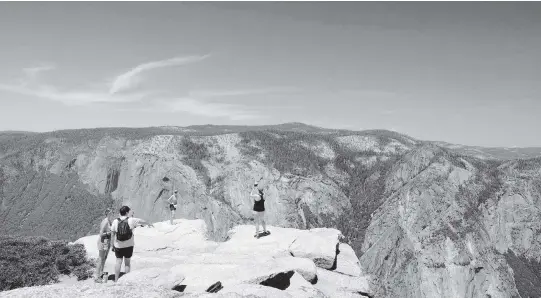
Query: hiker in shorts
259	210
173	202
104	243
123	239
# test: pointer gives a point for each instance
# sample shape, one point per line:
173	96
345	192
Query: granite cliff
426	219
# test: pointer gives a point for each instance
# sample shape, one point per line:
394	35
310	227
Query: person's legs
172	215
103	258
101	263
262	214
257	222
117	267
127	252
127	265
105	254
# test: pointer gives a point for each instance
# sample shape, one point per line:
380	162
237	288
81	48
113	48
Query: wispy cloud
29	85
209	109
130	78
199	102
32	72
70	97
241	92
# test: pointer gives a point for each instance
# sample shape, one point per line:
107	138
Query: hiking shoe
215	287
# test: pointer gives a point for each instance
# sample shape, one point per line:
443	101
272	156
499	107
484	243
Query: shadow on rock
112	276
279	281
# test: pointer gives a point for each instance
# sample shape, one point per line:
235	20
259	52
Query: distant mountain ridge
504	153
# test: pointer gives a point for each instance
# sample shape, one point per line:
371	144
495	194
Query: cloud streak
73	98
130	78
32	72
198	102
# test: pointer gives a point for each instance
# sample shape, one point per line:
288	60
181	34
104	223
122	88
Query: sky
461	72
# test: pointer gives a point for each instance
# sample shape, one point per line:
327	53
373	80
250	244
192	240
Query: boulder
347	261
242	268
300	288
335	284
320	246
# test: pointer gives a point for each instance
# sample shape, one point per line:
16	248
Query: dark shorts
172	207
259	207
125	252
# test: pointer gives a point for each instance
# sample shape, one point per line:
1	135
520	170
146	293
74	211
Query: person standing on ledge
104	243
259	210
173	202
123	239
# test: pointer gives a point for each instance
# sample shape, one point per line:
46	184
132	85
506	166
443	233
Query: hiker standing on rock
259	210
104	243
173	202
123	238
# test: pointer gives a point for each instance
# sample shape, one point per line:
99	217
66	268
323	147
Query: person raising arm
259	210
173	202
122	238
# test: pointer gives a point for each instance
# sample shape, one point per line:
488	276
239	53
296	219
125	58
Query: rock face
172	258
449	225
213	174
426	219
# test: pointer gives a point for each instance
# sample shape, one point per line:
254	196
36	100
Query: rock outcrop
179	258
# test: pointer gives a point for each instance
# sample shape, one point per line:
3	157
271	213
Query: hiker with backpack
259	210
173	201
104	243
123	238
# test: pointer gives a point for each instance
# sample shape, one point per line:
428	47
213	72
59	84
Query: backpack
124	231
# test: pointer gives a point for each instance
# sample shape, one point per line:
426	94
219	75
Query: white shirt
173	200
133	223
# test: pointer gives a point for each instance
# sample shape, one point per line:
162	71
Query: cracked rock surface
181	256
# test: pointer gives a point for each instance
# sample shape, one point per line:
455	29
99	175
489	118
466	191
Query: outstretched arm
143	222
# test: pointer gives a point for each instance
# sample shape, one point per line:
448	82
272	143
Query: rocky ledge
180	261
